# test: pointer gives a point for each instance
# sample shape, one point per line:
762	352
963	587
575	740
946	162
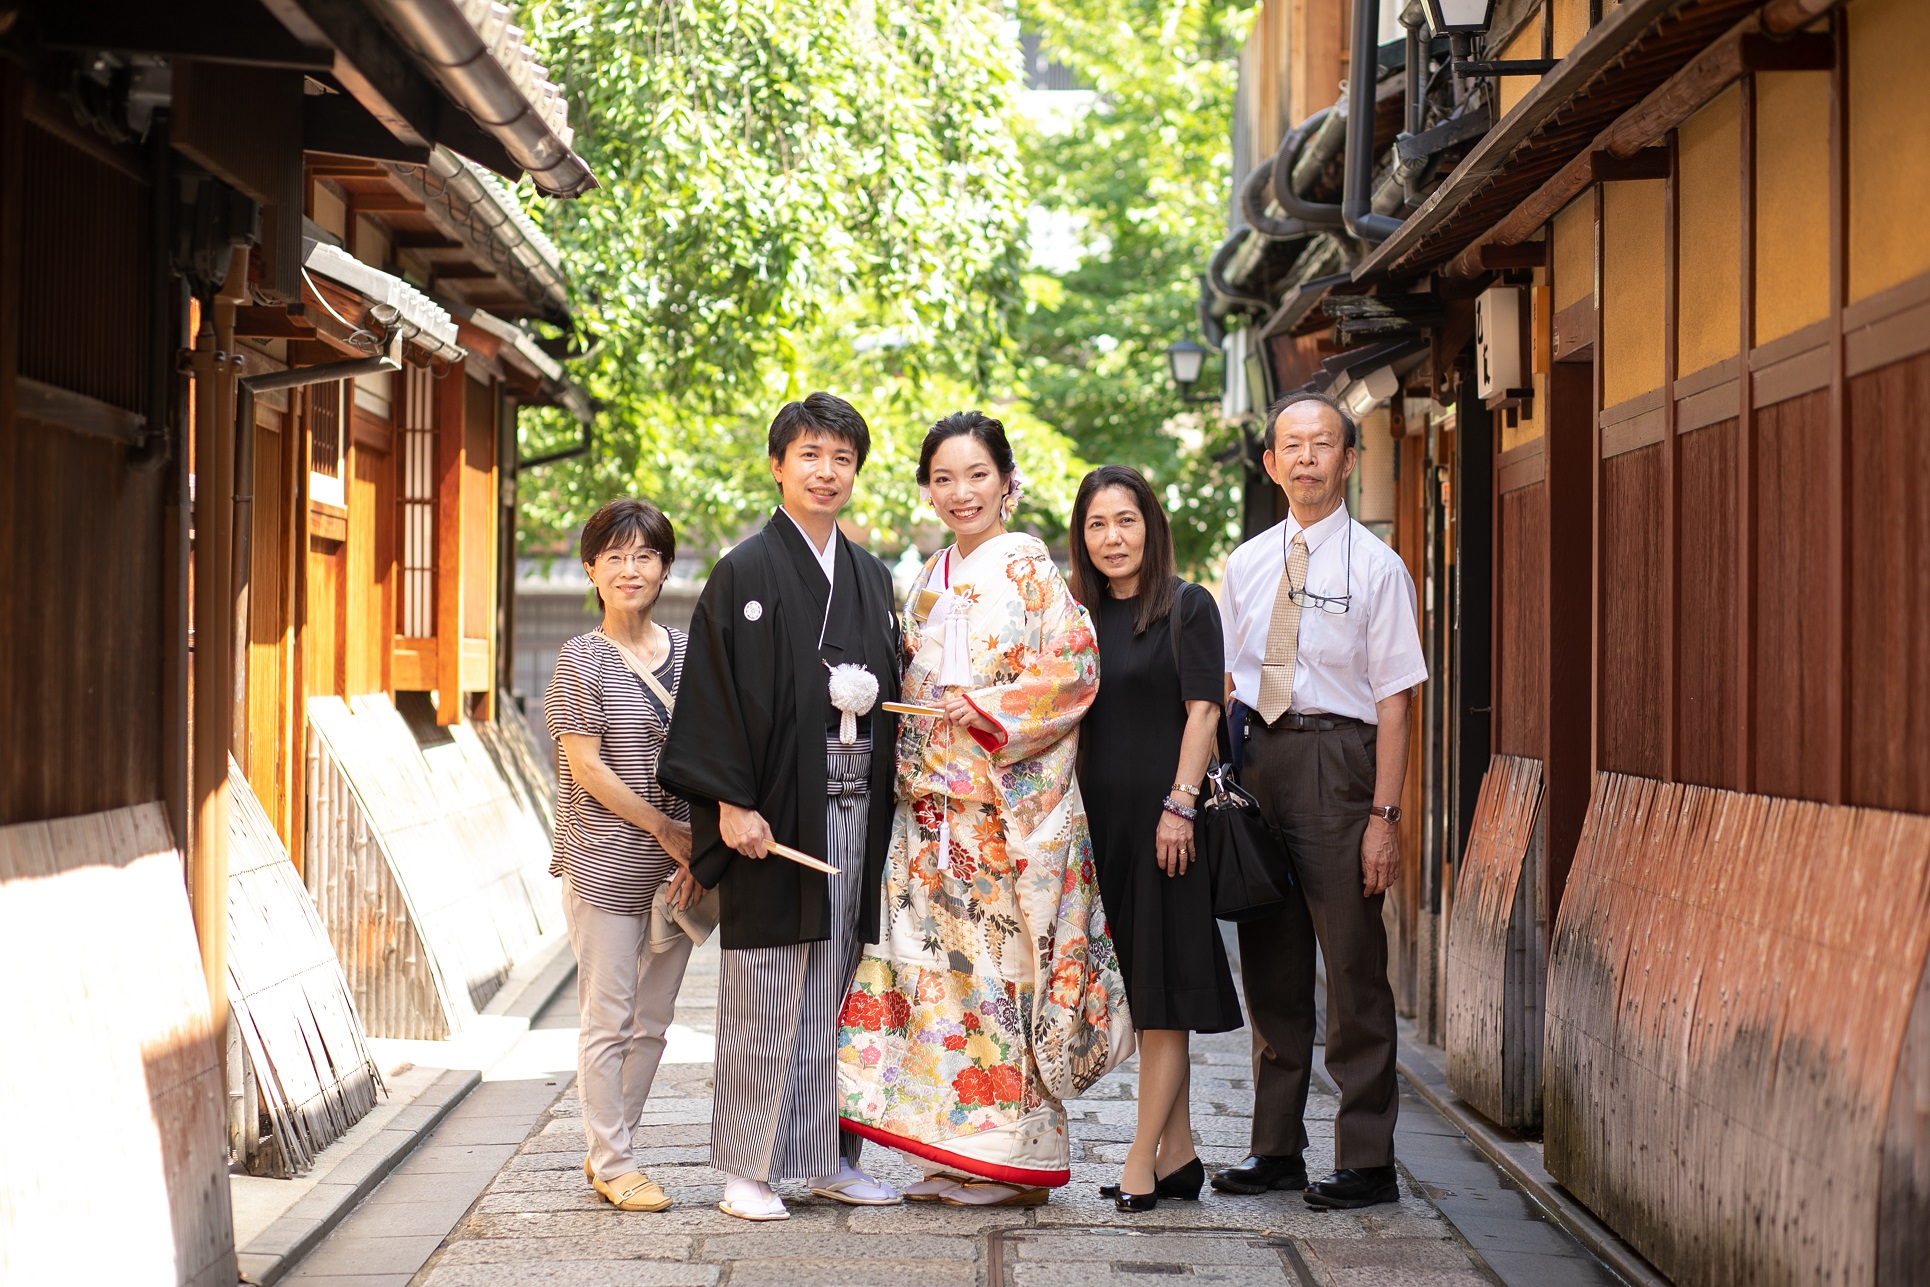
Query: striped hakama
776	1097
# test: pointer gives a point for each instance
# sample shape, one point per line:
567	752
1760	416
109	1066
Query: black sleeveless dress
1169	945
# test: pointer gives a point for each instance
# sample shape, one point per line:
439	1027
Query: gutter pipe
1356	204
482	86
1253	205
244	503
158	447
1315	214
1216	275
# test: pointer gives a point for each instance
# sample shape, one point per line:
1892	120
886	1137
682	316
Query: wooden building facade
1676	323
261	353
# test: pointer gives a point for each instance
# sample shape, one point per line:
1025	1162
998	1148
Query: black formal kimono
749	722
755	727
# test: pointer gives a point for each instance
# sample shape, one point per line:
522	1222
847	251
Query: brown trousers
1317	788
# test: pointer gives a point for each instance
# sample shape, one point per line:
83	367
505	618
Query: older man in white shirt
1322	643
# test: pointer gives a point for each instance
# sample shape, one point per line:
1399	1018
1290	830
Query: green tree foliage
1146	172
795	195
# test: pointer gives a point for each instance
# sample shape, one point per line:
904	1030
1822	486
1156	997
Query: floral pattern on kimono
993	992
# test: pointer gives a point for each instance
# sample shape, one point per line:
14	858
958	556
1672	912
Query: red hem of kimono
932	1153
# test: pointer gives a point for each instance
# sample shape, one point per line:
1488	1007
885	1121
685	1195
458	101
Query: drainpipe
1357	199
215	365
158	446
244	504
1289	161
1253	206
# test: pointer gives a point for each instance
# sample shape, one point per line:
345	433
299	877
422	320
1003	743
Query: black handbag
1248	868
1250	873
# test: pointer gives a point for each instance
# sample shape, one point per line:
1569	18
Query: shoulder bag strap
643	672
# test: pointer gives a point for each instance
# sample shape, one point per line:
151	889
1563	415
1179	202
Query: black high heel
1182	1185
1136	1201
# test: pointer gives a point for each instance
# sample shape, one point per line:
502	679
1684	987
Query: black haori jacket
750	724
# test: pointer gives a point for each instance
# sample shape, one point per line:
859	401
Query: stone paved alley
496	1198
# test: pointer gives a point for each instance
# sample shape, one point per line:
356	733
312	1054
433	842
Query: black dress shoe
1355	1187
1258	1174
1182	1185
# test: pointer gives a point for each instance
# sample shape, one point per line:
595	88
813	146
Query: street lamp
1459	17
1185	360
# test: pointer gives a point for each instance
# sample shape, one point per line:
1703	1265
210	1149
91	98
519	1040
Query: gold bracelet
1183	789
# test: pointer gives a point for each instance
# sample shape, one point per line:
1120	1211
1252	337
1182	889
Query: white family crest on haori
753	610
854	690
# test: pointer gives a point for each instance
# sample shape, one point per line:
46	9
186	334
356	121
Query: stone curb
1520	1163
278	1248
295	1233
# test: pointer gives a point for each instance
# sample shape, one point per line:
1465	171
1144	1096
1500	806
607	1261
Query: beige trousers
626	996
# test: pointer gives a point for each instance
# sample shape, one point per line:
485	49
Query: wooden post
1671	570
216	369
1835	600
12	190
1745	725
1597	573
450	447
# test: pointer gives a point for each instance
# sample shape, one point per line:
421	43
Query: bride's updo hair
990	434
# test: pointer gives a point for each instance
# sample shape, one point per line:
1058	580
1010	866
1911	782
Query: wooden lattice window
325	443
416	493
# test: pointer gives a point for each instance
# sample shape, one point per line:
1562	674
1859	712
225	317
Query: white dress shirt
1347	662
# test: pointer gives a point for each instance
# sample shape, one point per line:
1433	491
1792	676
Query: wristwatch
1391	812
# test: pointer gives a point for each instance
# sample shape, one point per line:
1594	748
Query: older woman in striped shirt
621	840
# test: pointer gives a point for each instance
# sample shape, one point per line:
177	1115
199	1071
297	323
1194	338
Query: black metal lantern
1459	17
1185	359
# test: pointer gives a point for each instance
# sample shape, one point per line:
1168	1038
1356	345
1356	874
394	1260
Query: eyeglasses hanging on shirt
1333	604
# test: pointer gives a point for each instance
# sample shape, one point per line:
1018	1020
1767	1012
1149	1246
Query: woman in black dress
1146	742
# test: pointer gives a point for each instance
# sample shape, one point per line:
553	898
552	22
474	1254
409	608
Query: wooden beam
268	322
1525	254
450	449
339	125
1598	573
1676	99
1804	51
1644	163
216	31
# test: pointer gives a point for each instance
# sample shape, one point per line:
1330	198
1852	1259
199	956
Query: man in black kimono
756	748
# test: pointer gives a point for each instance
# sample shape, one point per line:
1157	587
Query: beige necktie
1283	635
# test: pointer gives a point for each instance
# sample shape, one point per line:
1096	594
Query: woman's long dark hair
1156	583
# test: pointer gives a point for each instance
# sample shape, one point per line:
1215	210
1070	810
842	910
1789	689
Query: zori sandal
979	1193
840	1191
780	1212
633	1191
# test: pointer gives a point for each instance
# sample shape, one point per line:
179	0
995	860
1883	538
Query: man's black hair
1349	431
825	412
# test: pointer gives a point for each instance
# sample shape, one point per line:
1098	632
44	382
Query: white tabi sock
753	1197
853	1182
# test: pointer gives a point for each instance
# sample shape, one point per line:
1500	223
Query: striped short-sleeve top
613	865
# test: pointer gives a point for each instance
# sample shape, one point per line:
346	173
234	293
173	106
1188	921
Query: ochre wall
1889	152
1573	252
1526	44
1632	295
1570	25
1708	210
1792	205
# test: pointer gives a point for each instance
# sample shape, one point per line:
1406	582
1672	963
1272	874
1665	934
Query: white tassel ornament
854	690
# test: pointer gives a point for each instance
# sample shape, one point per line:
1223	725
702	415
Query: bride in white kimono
993	992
